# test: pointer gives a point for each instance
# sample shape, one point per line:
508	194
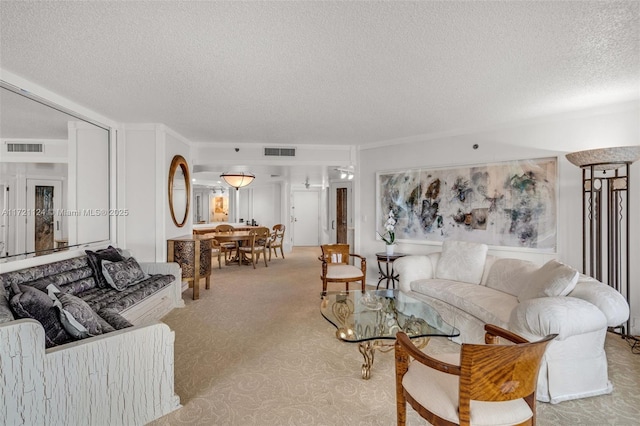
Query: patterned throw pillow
29	302
75	314
96	258
6	314
121	275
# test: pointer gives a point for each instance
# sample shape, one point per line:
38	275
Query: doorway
43	221
305	215
341	213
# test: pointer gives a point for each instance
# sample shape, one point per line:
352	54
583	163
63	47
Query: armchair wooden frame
489	372
345	274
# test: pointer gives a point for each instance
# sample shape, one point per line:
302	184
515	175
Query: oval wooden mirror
179	190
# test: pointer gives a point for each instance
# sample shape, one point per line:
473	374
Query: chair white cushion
341	271
552	279
462	261
438	393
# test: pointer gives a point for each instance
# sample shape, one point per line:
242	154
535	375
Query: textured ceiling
325	72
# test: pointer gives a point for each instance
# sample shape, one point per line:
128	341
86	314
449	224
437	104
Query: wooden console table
193	254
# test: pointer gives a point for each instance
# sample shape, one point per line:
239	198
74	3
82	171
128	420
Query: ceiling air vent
279	152
25	147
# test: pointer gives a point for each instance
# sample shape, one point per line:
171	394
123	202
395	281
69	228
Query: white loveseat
470	288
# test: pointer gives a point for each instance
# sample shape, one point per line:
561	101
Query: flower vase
390	249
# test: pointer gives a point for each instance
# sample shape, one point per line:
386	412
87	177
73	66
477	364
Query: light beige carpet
254	350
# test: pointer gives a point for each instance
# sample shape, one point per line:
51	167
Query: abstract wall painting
512	204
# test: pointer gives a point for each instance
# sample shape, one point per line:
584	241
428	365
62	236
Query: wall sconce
238	179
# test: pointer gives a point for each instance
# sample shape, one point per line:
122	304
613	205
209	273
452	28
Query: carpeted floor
254	350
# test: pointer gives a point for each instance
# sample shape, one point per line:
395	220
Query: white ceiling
325	72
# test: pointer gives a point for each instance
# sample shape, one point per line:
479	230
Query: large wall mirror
179	190
54	177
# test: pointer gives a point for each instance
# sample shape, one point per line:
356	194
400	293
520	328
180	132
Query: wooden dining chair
256	246
276	240
227	248
491	384
216	251
336	266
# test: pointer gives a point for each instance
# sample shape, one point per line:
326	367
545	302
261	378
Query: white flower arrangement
389	237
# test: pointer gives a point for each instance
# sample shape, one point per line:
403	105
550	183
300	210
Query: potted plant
389	236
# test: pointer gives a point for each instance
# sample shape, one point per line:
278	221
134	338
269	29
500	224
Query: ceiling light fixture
238	179
345	173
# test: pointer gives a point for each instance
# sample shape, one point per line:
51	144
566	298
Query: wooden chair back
256	245
225	228
489	372
336	253
277	240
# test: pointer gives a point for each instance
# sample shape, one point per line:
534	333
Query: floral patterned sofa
81	343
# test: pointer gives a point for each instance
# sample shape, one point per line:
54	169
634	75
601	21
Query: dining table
231	236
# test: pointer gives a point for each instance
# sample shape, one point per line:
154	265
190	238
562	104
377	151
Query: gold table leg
368	348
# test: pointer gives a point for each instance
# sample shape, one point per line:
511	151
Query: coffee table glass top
380	314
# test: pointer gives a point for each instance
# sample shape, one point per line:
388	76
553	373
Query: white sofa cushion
488	305
462	261
507	275
552	279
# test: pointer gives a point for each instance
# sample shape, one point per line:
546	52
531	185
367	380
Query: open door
341	213
44	228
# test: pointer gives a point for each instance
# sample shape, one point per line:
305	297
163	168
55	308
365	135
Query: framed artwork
512	203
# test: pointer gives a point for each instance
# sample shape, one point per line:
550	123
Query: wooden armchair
336	268
452	389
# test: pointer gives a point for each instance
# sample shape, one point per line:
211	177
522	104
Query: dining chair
216	251
256	246
276	240
227	247
336	266
490	384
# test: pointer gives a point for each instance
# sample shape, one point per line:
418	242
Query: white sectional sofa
470	288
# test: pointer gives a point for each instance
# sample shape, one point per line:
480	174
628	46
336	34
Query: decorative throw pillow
552	279
121	275
75	314
6	314
96	258
462	261
29	302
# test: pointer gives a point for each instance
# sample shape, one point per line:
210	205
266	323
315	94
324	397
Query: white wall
143	172
616	125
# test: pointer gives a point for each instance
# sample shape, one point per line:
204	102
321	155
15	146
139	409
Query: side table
387	273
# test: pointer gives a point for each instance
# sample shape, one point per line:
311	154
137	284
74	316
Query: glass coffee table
373	317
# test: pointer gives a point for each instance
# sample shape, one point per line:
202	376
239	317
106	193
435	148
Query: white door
305	215
44	226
